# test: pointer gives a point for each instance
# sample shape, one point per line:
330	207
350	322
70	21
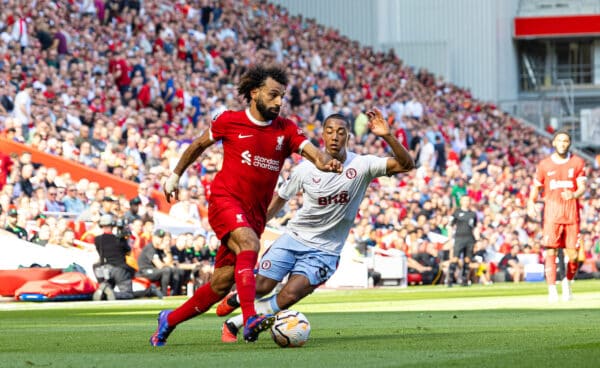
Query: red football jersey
555	177
254	153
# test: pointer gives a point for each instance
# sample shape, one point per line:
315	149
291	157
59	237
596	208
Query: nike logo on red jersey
241	136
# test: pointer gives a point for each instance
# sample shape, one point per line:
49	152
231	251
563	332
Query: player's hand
332	165
171	187
532	210
567	195
377	123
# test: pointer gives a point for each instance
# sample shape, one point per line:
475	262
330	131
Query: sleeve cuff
301	147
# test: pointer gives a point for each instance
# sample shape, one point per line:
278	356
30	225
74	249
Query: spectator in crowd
182	260
42	236
133	212
153	266
52	203
480	264
204	256
510	265
425	263
440	155
459	189
24	184
107	206
22	108
73	203
68	239
6	164
12	225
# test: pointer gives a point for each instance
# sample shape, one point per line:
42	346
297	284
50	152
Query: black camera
122	229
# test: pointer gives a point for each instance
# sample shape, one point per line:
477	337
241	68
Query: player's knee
287	298
251	245
264	286
244	240
572	254
222	280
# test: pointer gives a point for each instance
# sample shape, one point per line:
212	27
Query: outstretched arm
402	161
320	159
189	156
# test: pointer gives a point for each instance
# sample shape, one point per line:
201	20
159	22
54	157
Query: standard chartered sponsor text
266	163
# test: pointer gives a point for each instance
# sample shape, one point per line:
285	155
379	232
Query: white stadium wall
469	42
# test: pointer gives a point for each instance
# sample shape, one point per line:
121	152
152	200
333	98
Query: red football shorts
560	235
224	216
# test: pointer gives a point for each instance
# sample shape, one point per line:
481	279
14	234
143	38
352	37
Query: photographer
112	270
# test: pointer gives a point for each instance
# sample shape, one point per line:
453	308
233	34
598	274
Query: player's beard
265	112
563	153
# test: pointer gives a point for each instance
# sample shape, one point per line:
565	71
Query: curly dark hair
256	76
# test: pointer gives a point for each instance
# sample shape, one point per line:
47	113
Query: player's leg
232	326
308	268
275	264
571	243
296	288
204	297
451	277
245	243
468	255
460	254
550	271
268	305
551	239
264	286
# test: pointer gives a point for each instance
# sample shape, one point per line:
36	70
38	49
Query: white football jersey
330	200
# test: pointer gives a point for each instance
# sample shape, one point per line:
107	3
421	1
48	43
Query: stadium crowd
123	86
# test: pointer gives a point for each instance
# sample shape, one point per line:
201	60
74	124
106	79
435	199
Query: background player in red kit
562	177
256	141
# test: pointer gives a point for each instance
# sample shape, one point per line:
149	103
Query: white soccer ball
290	329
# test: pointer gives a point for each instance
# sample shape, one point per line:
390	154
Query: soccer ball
290	329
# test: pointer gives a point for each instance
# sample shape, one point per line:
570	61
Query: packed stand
124	87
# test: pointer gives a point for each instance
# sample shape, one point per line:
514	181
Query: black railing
534	78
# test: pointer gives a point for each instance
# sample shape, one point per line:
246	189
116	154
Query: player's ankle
233	301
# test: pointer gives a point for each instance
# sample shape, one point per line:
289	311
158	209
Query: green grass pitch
501	325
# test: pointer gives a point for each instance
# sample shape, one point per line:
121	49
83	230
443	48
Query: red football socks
200	302
571	270
245	282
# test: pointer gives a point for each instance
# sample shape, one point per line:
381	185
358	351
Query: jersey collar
558	160
256	121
